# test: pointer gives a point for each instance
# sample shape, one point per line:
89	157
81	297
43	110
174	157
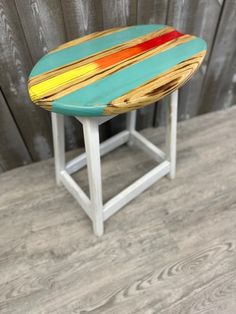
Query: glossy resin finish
115	71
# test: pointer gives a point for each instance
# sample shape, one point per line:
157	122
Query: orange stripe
124	54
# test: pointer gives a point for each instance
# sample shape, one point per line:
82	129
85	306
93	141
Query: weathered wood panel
118	13
220	78
15	65
82	17
44	29
201	19
150	12
37	18
13	152
192	17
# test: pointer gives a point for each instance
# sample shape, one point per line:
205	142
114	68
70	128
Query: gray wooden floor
172	250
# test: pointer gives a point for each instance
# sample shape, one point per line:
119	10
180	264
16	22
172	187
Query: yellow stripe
37	91
54	87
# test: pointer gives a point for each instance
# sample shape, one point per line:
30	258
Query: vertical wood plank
150	12
47	31
199	18
13	152
193	17
220	79
82	17
15	65
43	25
118	13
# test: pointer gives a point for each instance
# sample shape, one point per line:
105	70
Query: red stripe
124	54
157	41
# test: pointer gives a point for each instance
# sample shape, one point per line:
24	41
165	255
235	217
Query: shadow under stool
101	75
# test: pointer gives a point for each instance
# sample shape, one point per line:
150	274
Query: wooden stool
99	76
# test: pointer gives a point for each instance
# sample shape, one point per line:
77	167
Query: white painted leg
58	143
171	132
91	138
131	124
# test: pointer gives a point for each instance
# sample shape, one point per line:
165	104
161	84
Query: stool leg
92	147
131	122
58	143
171	132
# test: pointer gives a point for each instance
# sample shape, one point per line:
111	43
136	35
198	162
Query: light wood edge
85	38
44	105
162	85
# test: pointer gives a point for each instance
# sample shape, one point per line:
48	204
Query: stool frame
93	206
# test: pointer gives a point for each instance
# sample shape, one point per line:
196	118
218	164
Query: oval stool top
115	71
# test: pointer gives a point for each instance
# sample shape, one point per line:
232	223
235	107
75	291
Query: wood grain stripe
91	47
94	98
83	39
127	53
78	78
137	65
157	88
54	72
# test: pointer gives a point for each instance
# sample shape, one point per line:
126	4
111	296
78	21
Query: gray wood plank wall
31	28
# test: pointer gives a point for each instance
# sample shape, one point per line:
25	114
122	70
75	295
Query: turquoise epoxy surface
93	99
77	52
